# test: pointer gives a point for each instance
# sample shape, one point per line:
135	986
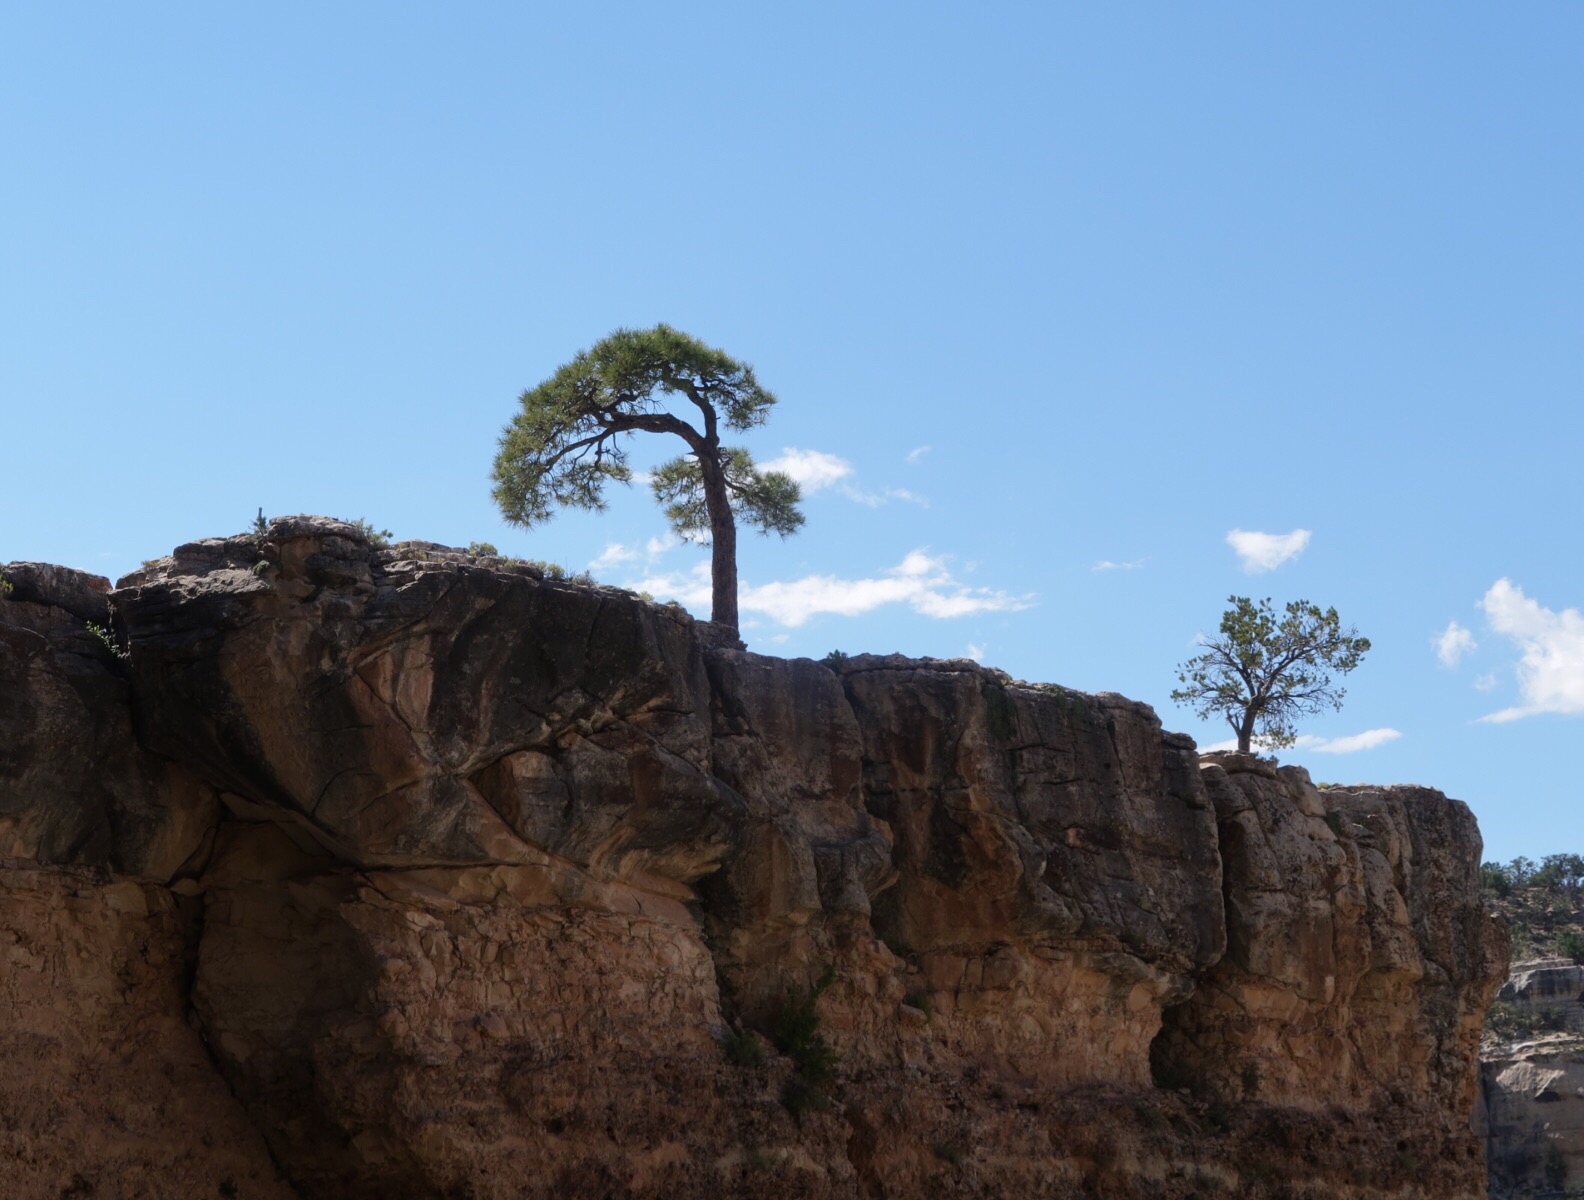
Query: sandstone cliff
1531	1108
397	873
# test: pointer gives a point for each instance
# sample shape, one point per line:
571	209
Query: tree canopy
569	438
1263	671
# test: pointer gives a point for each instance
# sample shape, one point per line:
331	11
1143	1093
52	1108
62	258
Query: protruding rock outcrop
481	884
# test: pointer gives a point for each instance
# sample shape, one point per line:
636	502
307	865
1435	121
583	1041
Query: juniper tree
1263	672
570	438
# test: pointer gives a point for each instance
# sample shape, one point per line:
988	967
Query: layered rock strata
1531	1109
469	883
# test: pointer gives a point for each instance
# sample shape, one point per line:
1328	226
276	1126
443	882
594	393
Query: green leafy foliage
1541	901
745	1049
1264	670
261	525
5	586
377	538
109	639
834	660
796	1033
766	500
1570	944
569	439
483	550
555	572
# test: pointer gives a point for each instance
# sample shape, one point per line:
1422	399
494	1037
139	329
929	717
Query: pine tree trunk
723	542
1246	733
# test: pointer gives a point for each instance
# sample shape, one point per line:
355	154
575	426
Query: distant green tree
568	440
1263	671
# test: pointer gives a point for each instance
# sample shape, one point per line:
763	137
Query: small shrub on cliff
834	660
744	1049
1493	879
949	1152
795	1031
555	572
104	635
1509	1022
1570	944
5	587
483	550
377	538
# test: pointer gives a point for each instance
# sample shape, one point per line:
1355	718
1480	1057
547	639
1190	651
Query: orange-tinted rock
514	883
105	1089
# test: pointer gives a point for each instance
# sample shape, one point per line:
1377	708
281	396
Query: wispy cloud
614	554
1486	682
815	470
1551	667
1105	564
918	452
975	651
1453	644
921	581
1351	744
884	496
812	469
1262	552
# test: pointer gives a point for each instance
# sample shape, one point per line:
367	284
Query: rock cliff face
1531	1108
396	873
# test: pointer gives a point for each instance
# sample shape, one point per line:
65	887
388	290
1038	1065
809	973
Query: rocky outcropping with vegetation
1531	1108
333	870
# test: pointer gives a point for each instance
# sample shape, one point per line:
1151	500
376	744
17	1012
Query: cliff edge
341	871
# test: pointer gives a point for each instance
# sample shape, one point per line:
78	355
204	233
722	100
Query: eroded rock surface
497	886
1531	1109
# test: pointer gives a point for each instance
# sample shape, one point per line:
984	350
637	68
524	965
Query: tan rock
514	883
105	1090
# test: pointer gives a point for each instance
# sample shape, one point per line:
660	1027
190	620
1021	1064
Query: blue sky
1041	287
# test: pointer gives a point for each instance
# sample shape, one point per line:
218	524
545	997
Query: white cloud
613	555
815	470
1453	644
975	651
1351	744
812	469
876	499
1105	564
1355	742
921	581
1266	551
918	452
616	553
1485	682
1551	669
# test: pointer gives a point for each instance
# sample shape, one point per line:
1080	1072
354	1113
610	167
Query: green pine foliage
570	435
